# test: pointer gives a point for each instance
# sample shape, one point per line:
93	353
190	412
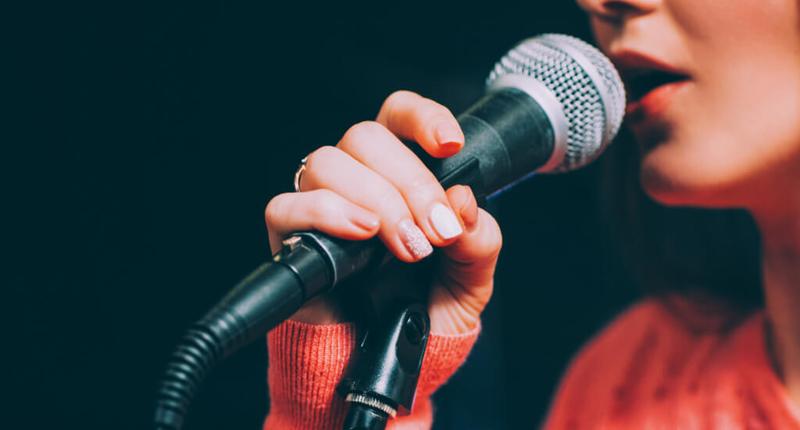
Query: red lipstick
651	85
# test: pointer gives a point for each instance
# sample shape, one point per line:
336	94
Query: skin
731	136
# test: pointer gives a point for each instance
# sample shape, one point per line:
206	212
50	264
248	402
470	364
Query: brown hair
712	253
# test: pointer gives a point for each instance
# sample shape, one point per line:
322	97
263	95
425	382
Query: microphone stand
383	374
381	379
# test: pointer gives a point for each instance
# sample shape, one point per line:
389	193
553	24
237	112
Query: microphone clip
381	380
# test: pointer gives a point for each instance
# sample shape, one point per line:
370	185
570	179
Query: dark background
144	140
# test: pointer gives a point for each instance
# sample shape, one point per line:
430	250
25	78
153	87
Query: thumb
470	261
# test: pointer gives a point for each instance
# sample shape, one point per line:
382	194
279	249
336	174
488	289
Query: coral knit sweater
649	369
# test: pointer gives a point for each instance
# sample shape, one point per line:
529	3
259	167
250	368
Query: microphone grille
587	87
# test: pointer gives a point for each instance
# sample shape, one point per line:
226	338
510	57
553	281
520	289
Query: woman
715	90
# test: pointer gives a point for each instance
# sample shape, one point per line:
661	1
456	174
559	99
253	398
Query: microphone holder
381	380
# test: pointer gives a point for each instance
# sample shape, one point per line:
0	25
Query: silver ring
298	173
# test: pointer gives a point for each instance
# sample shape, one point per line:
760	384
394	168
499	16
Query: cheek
740	22
727	137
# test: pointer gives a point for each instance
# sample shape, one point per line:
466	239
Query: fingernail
448	135
462	197
445	222
365	221
414	239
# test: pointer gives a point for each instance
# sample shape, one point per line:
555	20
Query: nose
618	9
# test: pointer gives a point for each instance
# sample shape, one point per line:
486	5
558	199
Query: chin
665	190
672	178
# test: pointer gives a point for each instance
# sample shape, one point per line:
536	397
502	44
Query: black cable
198	352
308	264
261	301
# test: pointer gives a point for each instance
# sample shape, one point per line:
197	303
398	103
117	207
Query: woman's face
714	90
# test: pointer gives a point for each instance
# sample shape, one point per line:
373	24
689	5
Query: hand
371	184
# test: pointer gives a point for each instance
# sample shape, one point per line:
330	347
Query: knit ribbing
307	361
305	364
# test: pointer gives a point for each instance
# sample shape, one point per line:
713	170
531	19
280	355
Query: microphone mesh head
585	83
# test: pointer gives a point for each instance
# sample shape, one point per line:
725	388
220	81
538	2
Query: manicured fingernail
448	135
445	222
414	239
366	221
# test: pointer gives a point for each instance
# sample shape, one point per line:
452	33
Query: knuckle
423	187
274	209
318	160
400	96
394	102
497	245
389	201
435	112
319	156
494	239
362	133
427	115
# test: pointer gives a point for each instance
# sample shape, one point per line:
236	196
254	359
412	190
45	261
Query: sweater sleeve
307	361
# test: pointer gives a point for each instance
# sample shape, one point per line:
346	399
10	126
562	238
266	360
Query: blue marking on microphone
511	185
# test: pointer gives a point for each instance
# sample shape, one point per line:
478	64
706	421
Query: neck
780	237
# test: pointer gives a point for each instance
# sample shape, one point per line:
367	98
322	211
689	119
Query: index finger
411	116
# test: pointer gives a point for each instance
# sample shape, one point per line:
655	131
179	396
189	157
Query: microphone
553	104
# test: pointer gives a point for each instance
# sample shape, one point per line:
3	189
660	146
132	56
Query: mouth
642	82
650	83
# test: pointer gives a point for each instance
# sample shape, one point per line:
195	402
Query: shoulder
630	357
635	332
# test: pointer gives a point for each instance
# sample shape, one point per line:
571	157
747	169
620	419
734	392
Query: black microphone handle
507	137
515	137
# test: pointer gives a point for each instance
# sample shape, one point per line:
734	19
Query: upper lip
642	72
632	63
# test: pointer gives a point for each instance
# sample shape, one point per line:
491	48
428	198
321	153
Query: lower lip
653	104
